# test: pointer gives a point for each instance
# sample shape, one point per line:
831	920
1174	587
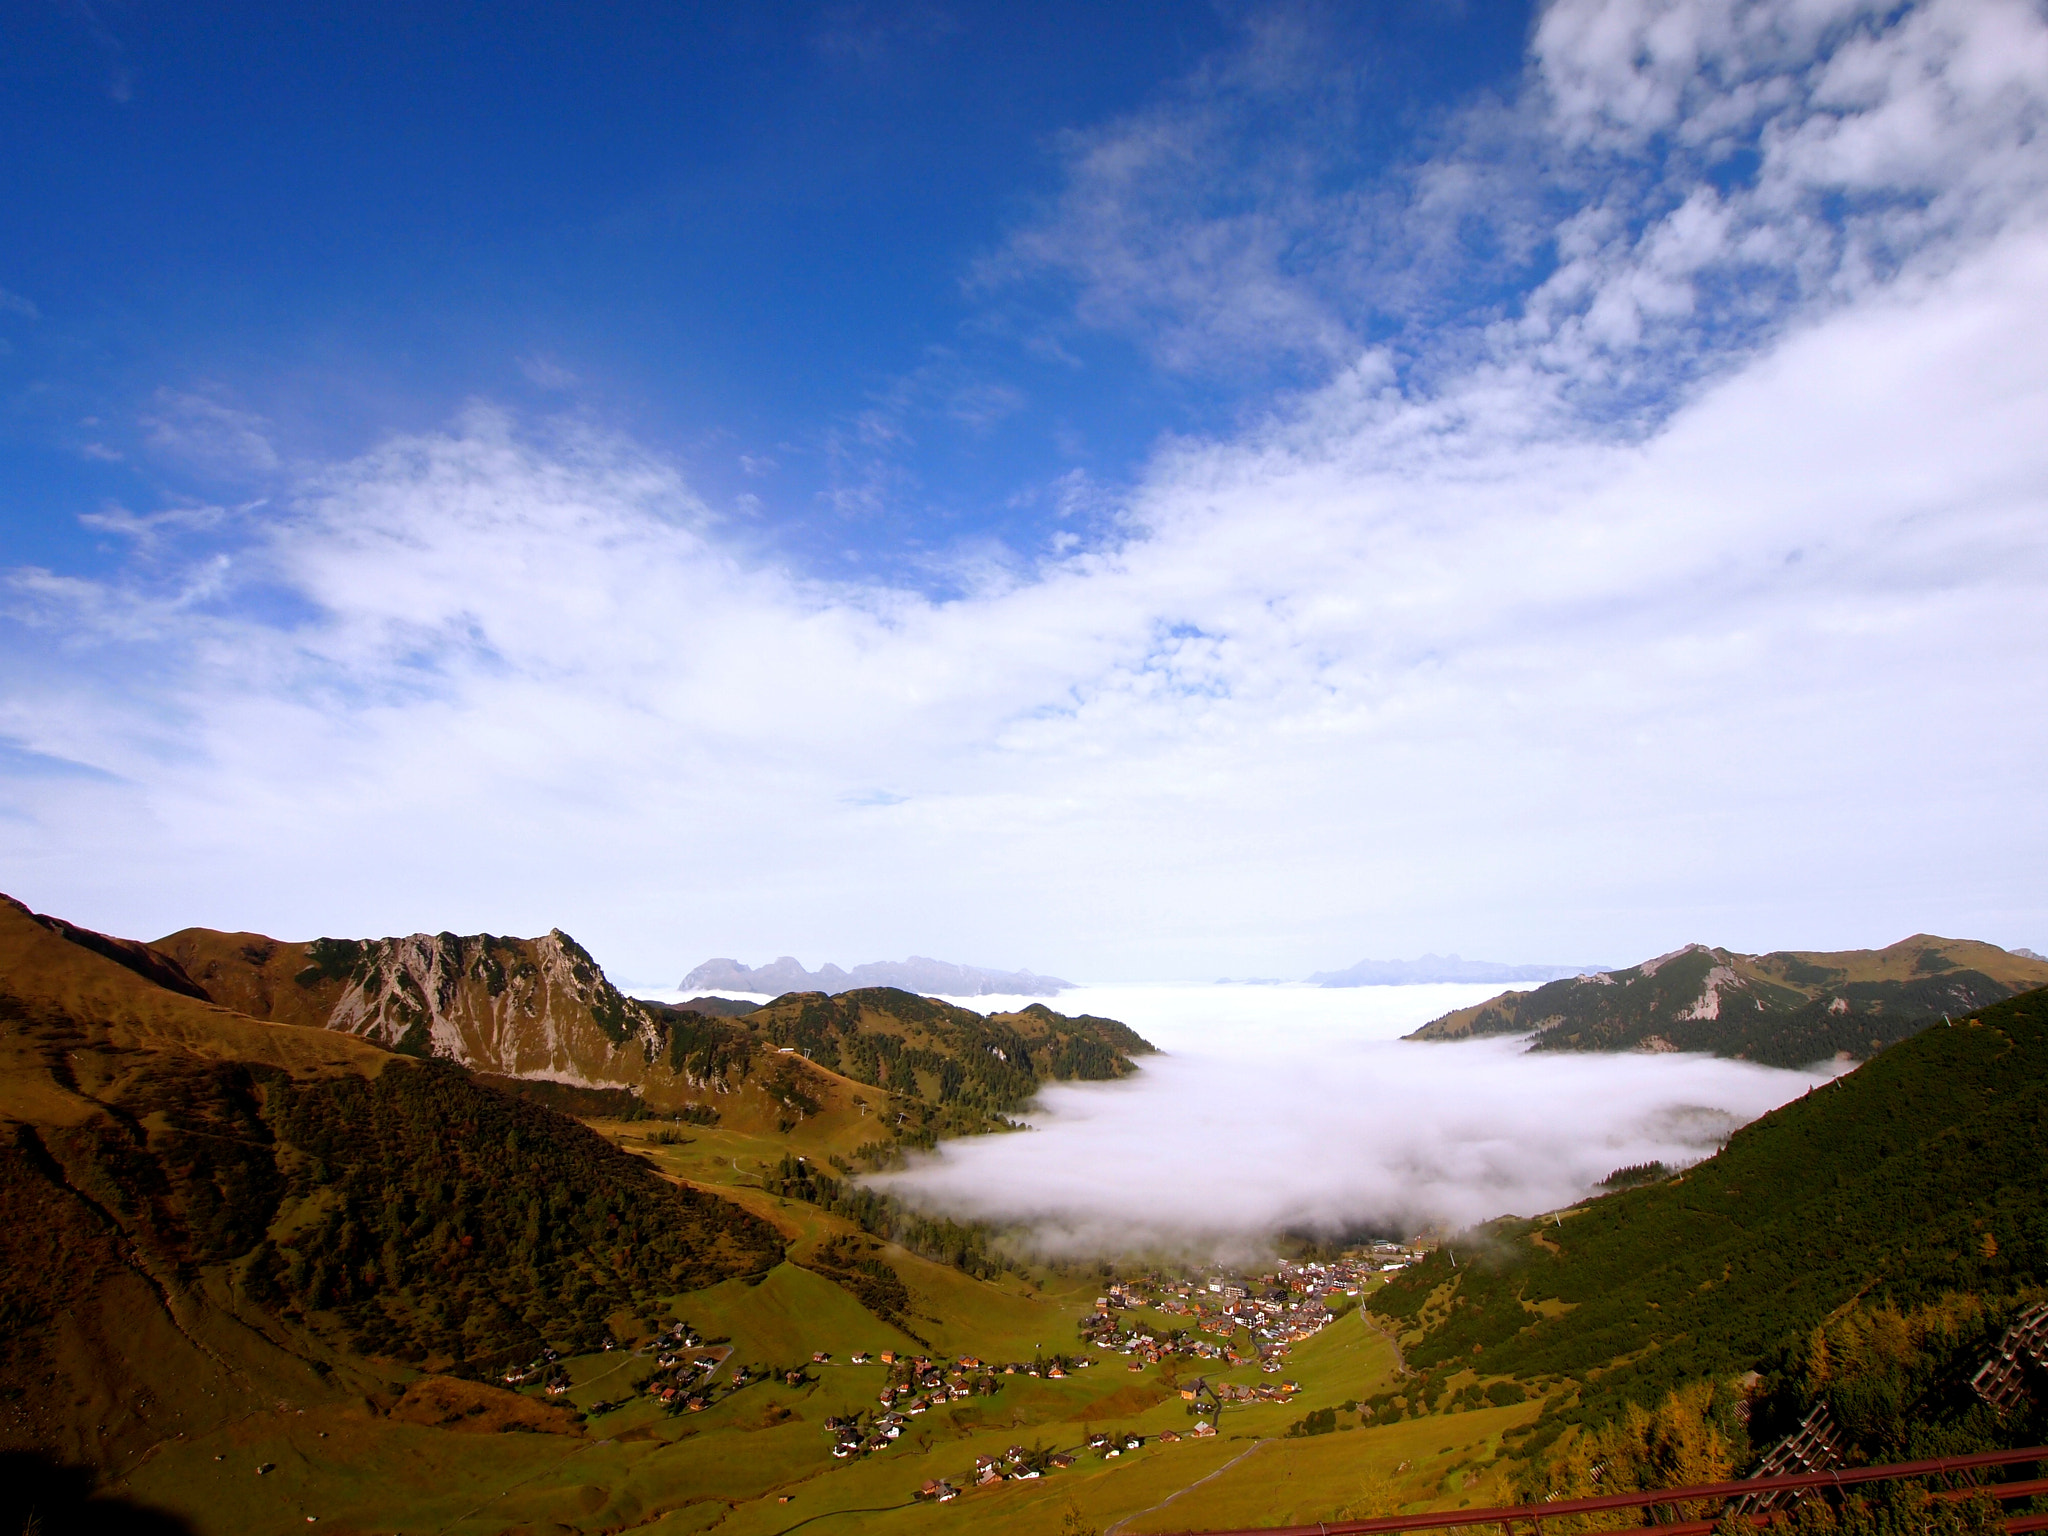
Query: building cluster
1291	1302
534	1370
1232	1392
1017	1465
1021	1464
917	1384
681	1380
1277	1309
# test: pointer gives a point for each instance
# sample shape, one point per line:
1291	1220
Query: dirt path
1191	1487
1393	1337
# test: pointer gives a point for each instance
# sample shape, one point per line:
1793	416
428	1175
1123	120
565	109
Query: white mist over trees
1271	1113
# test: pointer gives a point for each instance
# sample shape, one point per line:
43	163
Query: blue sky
772	240
1133	494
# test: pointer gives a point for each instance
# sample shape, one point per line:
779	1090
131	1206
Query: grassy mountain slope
1914	1177
1782	1009
201	1212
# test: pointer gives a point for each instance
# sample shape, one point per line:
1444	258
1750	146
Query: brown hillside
446	1403
253	974
202	1214
118	1010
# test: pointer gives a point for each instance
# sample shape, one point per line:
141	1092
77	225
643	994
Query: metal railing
1533	1515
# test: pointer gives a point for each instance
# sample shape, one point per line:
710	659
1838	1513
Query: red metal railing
1536	1514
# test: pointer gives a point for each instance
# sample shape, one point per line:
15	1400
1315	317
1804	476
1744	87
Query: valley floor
759	1462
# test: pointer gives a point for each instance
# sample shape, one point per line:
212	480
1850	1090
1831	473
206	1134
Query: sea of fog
1292	1108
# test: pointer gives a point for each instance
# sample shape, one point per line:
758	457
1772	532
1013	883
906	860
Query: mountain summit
917	974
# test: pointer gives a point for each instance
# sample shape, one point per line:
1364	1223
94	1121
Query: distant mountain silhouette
917	974
1406	973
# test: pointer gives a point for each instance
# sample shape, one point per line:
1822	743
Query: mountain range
542	1010
262	1268
1404	973
1787	1008
917	974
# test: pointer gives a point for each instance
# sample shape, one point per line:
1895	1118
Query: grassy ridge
1782	1009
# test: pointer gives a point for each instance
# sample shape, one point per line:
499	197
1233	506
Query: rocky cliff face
535	1008
1787	1008
526	1008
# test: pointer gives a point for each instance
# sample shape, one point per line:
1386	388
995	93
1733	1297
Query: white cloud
545	373
214	437
1611	191
1436	660
1281	1112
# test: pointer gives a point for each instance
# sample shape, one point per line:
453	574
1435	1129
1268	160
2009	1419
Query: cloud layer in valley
1682	583
1279	1113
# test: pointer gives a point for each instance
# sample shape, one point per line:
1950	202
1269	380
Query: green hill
1784	1009
1888	1193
